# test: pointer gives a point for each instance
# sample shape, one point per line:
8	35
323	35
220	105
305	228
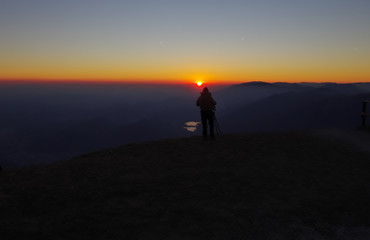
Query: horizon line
157	82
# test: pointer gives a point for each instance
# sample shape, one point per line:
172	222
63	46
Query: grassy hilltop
287	185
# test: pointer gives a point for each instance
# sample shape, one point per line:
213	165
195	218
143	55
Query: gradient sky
182	40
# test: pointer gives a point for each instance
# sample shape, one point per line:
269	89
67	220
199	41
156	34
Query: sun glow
199	83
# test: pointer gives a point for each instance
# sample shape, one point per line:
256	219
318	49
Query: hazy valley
50	122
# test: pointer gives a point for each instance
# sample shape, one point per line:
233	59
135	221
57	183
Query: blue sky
325	40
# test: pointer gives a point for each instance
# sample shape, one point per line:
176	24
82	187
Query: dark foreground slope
254	186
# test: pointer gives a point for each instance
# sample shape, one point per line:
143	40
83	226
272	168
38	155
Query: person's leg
211	124
203	115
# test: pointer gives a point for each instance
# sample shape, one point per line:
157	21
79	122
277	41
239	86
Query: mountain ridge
48	123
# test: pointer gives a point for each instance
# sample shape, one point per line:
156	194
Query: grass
289	185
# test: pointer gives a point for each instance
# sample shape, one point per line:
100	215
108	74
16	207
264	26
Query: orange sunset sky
182	41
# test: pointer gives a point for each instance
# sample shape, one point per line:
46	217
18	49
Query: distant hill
285	106
252	91
282	185
48	123
248	92
296	110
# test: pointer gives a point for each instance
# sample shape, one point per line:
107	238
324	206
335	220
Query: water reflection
191	126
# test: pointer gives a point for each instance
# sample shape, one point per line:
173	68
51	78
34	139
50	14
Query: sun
199	83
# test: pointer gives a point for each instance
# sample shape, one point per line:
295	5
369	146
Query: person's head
205	90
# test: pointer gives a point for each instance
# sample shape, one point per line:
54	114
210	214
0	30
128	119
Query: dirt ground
283	185
357	138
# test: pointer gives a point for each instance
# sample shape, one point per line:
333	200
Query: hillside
43	123
282	185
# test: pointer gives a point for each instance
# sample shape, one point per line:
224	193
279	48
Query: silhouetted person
207	105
